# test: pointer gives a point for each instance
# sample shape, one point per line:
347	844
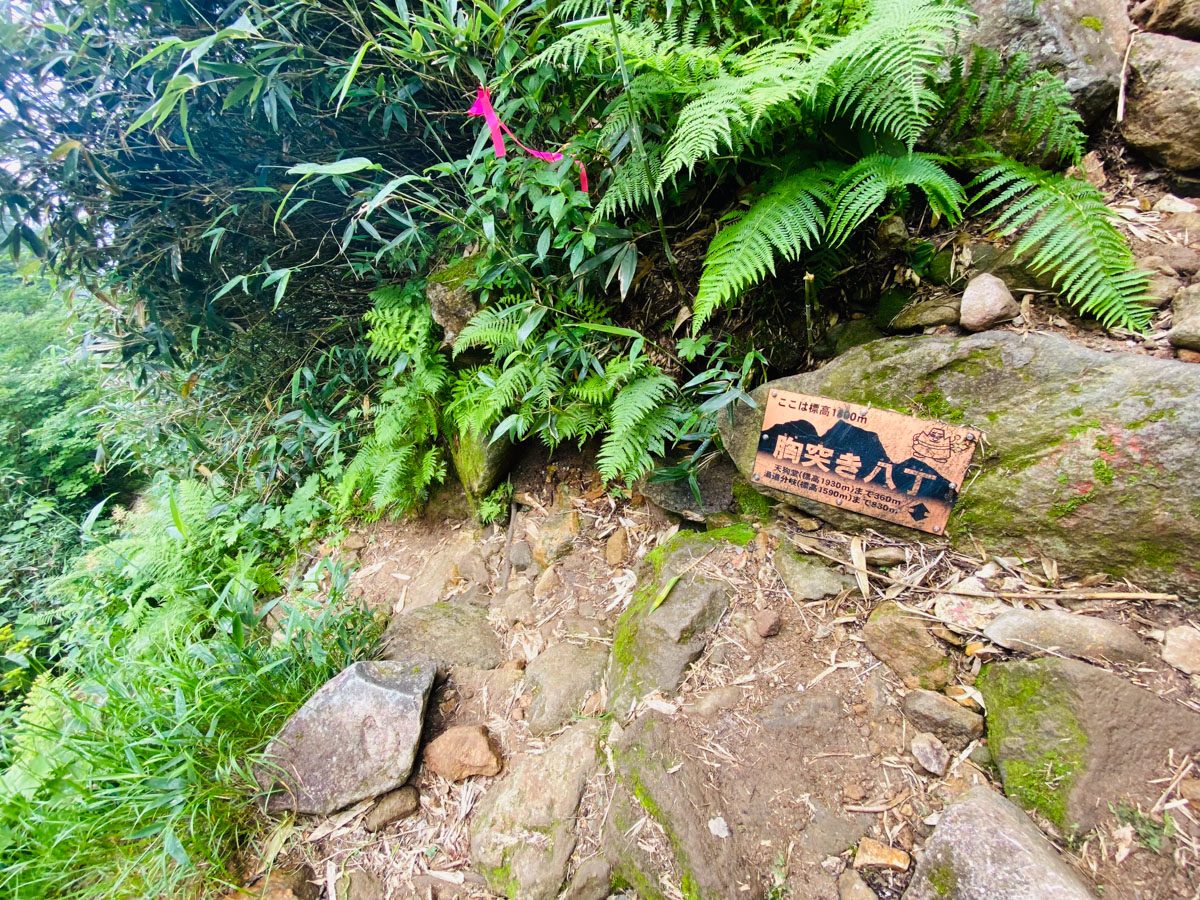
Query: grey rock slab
523	830
446	634
561	679
1164	100
452	305
808	577
852	887
930	711
1070	738
653	646
1081	41
355	738
716	493
1037	632
987	301
457	562
984	848
682	803
591	880
1086	459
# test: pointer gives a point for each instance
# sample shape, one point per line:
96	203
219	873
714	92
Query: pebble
854	792
930	753
546	584
767	623
1189	789
1181	649
873	855
392	807
462	751
887	556
852	887
616	547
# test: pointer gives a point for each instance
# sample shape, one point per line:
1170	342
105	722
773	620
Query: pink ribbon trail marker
483	107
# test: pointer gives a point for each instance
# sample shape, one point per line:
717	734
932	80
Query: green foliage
1064	223
1029	110
565	381
495	506
129	772
399	460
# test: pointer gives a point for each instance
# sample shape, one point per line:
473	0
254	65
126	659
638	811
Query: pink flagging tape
483	107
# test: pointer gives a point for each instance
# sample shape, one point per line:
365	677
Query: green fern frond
878	76
866	185
629	452
1066	226
789	219
493	327
1031	110
631	185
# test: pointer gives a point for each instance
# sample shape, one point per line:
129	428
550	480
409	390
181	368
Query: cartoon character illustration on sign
937	445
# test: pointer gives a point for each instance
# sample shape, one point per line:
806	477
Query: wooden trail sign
873	461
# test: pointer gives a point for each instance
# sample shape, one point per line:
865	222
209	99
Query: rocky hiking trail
767	708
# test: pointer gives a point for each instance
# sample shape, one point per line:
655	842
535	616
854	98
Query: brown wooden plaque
872	461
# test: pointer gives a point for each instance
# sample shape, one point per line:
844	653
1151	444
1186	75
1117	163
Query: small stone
1189	789
902	642
969	609
518	607
520	555
808	578
354	541
987	301
712	702
561	679
399	804
952	723
852	887
930	753
547	583
1188	356
892	232
461	752
556	537
359	884
282	884
927	313
1181	649
766	623
591	880
718	828
1169	203
854	792
1054	631
1161	291
873	855
887	556
616	547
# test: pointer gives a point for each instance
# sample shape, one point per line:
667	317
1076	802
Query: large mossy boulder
1088	457
665	627
1073	741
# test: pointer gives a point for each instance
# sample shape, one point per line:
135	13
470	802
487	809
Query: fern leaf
789	219
1070	232
865	186
879	75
